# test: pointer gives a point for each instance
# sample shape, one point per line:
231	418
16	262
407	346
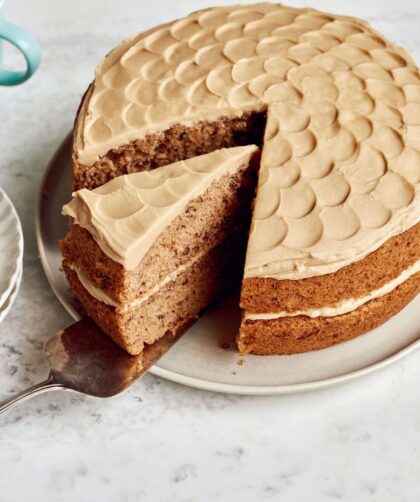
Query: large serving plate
206	357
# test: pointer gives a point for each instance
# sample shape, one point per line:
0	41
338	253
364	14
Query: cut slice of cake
146	252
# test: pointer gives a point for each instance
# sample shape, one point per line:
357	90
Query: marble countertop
161	441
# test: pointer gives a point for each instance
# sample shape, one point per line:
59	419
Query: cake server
83	359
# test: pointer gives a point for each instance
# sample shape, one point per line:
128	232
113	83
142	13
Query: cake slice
146	252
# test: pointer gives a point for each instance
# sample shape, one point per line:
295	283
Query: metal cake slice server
83	359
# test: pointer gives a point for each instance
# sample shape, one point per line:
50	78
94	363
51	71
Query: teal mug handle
27	45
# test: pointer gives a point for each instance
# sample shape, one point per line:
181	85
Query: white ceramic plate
198	359
7	305
11	247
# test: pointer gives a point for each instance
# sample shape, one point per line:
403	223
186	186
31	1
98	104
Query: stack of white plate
11	254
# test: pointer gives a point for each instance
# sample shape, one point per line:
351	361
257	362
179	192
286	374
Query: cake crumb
241	362
225	346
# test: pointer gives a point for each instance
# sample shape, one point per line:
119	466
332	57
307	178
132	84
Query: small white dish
11	247
7	305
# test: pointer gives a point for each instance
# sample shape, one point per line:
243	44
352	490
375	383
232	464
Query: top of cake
328	199
340	167
222	61
127	214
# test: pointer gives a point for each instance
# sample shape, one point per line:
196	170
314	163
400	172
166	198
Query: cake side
291	335
259	295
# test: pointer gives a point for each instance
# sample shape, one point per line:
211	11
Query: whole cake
334	243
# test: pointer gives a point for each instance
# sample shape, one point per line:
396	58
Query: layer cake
334	243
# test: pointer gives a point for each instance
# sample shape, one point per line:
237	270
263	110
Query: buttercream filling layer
103	297
343	307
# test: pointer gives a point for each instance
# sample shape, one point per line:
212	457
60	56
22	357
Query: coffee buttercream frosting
340	166
346	192
127	214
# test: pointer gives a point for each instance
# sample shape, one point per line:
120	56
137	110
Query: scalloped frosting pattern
341	161
127	214
329	195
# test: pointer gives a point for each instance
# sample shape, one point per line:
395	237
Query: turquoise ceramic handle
28	47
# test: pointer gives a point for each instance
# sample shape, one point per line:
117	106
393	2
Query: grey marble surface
161	441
